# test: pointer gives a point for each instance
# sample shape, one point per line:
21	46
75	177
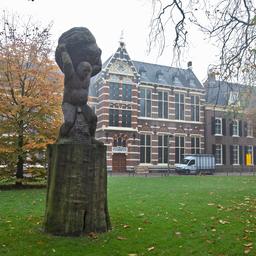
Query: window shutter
231	155
245	129
223	154
254	155
213	125
245	152
240	128
241	155
224	126
231	128
213	149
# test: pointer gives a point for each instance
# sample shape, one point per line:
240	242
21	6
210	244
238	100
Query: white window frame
195	147
249	129
180	148
163	102
147	102
178	104
236	155
220	149
215	126
194	107
235	128
145	147
163	147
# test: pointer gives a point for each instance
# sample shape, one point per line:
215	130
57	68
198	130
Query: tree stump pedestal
77	190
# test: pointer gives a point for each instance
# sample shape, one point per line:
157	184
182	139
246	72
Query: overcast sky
106	19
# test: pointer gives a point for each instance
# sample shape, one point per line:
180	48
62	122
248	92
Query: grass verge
176	215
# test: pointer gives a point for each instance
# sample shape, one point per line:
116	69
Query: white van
195	164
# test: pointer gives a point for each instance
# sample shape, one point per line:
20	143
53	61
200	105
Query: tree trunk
19	171
20	162
77	190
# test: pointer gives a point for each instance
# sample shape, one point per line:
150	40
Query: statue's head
82	47
84	69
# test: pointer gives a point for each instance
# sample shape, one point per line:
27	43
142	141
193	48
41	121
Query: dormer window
233	98
176	80
192	83
142	71
159	76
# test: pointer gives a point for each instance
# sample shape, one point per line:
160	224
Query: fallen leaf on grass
178	233
223	222
140	229
151	248
211	204
248	245
132	254
93	235
249	231
126	226
121	238
246	251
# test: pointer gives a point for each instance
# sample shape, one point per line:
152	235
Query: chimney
211	74
190	65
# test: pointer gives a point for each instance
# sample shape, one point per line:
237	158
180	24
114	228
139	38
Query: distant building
229	132
148	114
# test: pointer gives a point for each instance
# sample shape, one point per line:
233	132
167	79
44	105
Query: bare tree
230	23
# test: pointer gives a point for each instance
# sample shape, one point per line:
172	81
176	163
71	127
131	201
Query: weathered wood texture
77	190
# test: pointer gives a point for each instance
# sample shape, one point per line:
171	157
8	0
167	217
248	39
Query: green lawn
179	215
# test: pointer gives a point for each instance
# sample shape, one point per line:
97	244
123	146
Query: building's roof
150	73
222	93
165	75
92	89
219	92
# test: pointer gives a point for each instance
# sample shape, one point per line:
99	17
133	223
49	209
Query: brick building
148	114
229	132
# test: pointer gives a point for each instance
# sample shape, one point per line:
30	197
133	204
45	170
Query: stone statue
76	202
79	58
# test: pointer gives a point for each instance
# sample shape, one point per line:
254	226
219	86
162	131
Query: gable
120	67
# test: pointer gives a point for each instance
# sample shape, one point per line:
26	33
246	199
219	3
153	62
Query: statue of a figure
78	56
76	201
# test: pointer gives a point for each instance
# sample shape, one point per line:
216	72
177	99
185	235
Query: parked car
196	164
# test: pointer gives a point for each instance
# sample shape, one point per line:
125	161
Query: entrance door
119	162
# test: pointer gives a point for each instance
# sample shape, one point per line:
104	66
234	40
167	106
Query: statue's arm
66	60
96	68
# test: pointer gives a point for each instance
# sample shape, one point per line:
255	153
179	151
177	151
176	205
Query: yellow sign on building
248	159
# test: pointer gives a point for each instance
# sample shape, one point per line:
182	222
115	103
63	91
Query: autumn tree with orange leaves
30	92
